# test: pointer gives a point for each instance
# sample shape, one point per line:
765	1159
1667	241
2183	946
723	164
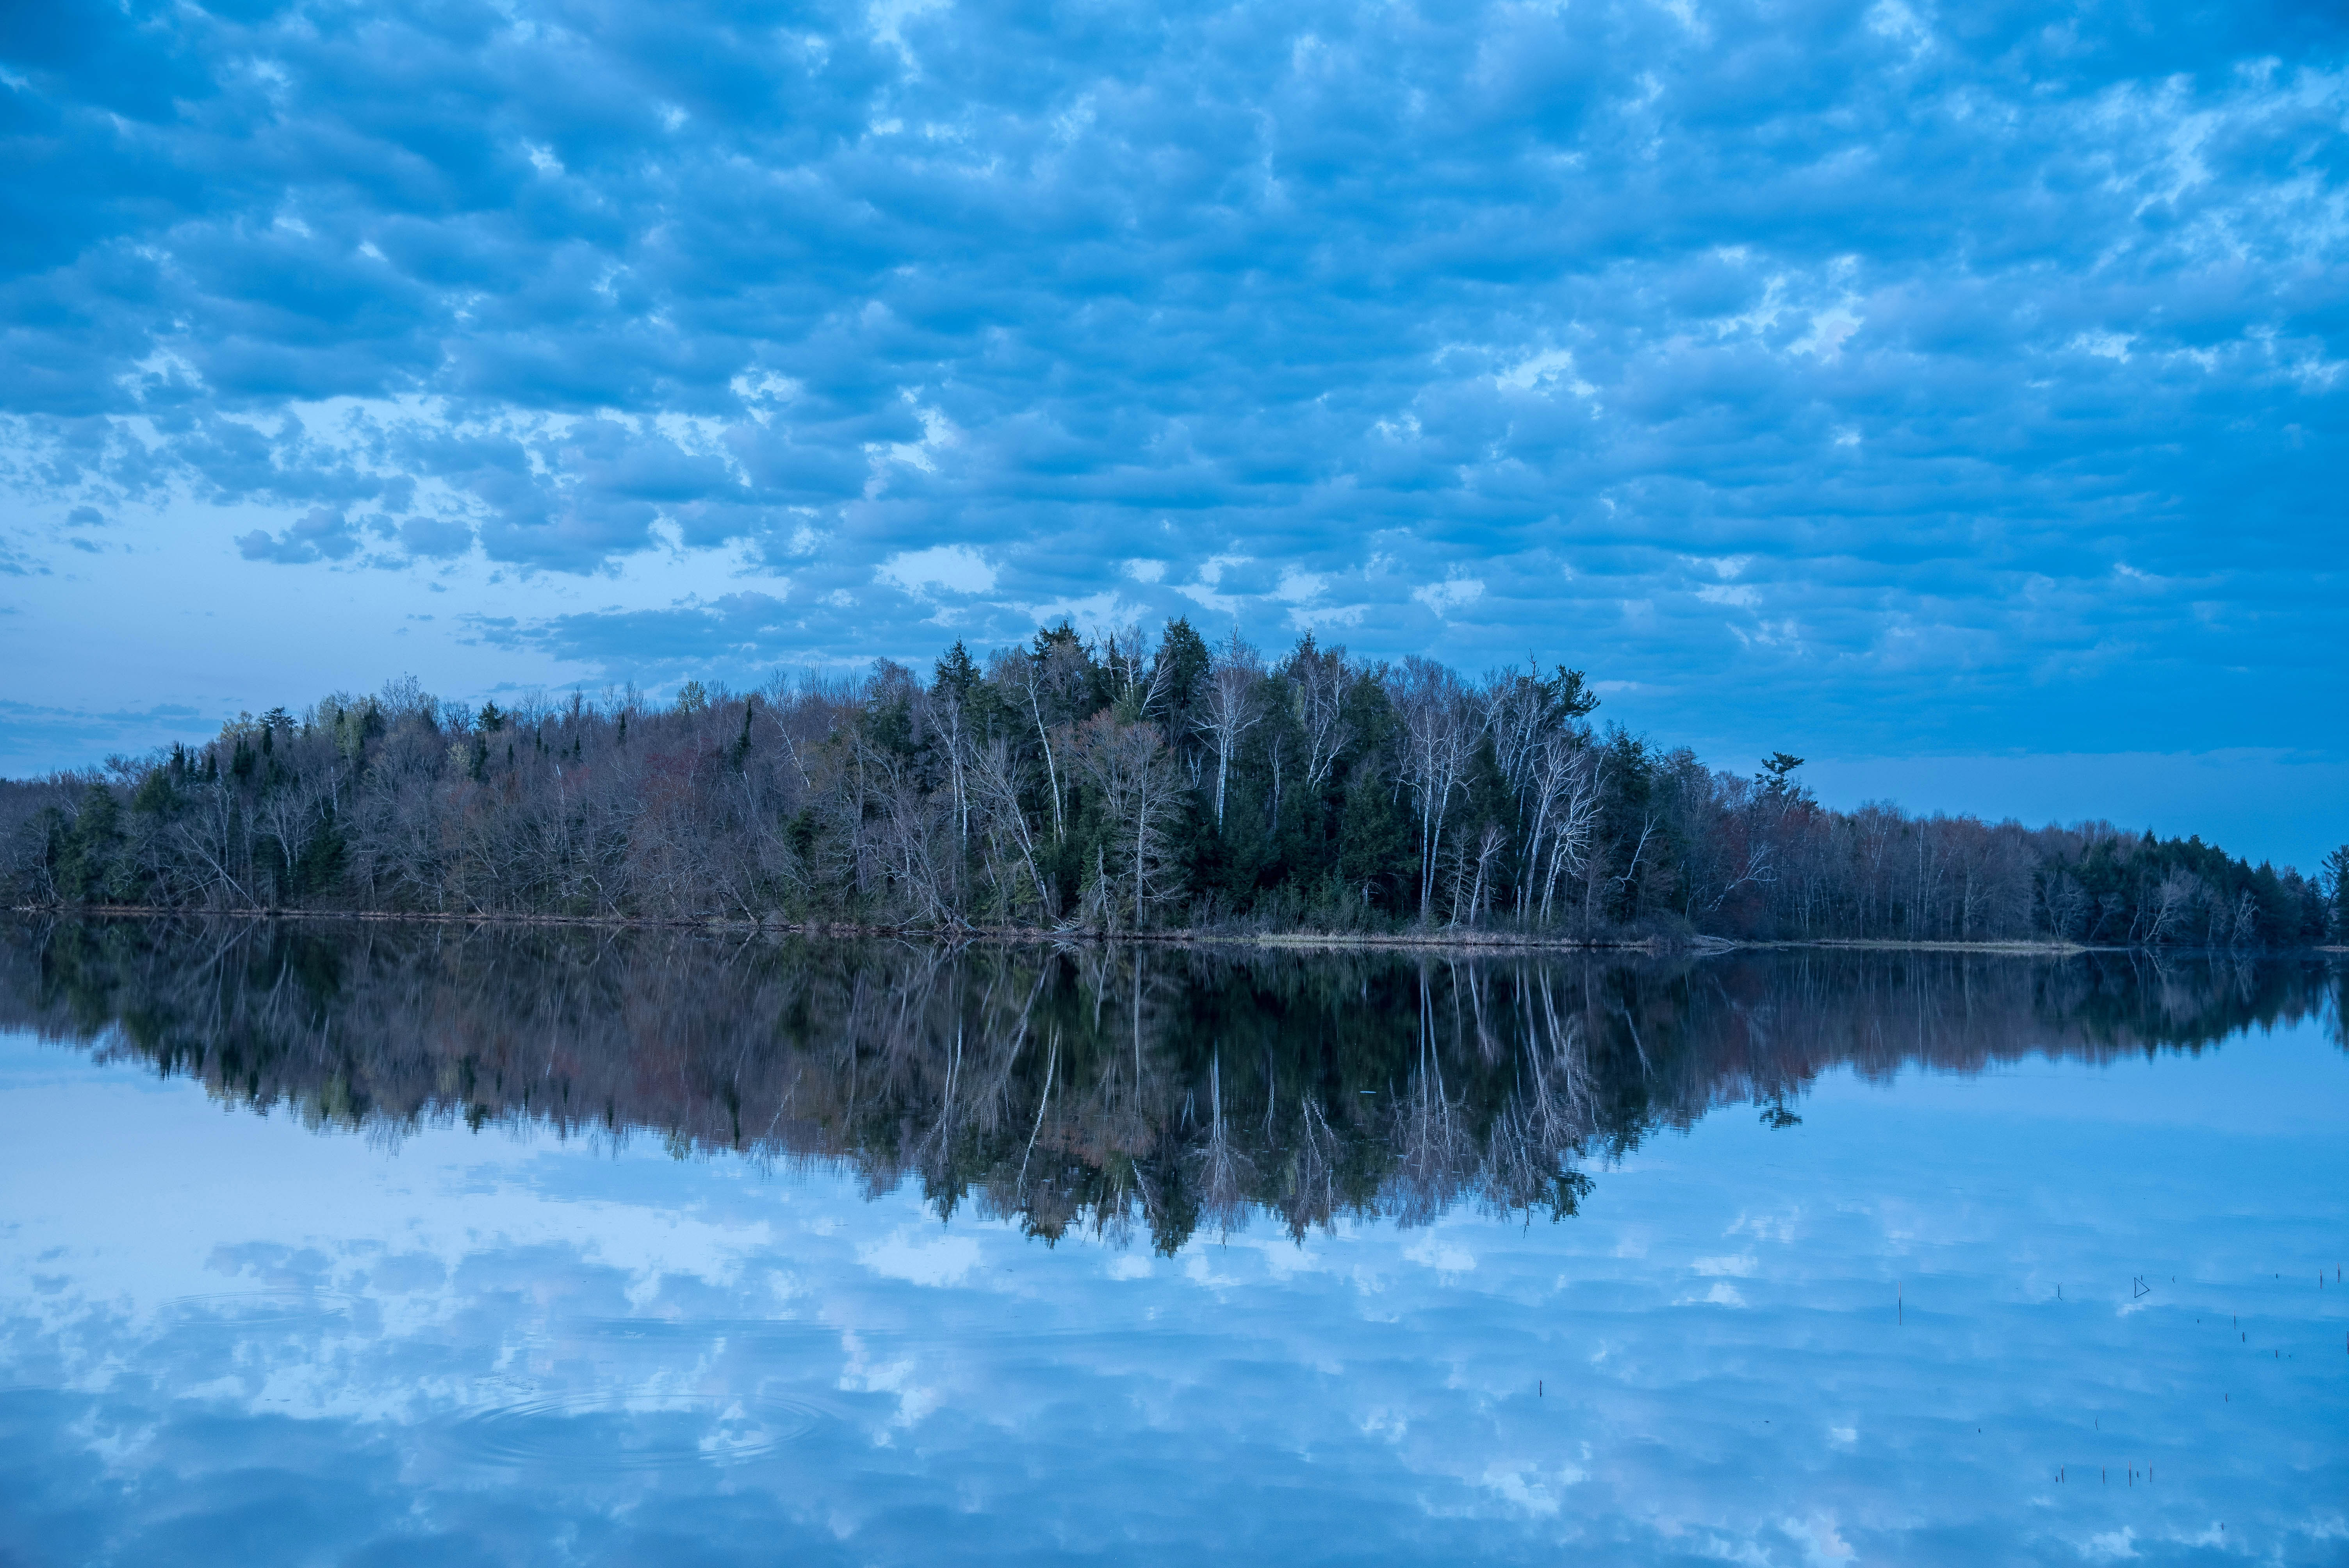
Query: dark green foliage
88	869
1375	856
155	796
2336	894
742	751
1776	776
2175	892
1183	661
1098	786
1571	694
318	868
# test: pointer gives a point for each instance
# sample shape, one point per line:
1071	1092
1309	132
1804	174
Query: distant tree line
1113	785
1122	1088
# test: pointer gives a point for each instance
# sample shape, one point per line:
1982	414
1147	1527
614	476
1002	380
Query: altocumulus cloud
1954	377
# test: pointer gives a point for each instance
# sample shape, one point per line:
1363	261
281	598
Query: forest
1118	1089
1114	785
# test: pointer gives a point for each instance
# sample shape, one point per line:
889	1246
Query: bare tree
994	772
1439	735
2166	911
868	794
1489	845
1228	708
1036	682
1139	792
1564	818
1319	678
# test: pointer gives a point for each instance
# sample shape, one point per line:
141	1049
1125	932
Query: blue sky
1953	395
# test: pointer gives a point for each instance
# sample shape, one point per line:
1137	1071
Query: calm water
384	1246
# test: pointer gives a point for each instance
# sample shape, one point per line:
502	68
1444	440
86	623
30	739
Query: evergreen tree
1183	663
956	673
968	797
85	861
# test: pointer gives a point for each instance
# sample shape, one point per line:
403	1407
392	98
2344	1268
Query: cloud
1551	367
1451	594
321	535
35	738
1932	324
429	538
956	568
740	628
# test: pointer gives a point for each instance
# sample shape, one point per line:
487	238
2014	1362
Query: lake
373	1243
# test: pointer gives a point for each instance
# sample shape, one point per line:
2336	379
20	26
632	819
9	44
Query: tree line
1116	784
1111	1088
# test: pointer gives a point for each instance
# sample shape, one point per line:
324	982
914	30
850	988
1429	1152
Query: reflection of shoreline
1152	1087
1432	941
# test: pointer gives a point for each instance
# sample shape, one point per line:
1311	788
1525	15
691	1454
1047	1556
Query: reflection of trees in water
1162	1088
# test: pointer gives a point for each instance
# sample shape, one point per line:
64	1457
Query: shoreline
1296	941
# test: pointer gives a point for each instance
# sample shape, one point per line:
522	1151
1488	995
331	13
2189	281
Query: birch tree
1319	677
1229	708
1140	790
1439	734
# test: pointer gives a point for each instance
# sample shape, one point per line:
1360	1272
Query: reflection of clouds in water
408	1274
1439	1252
1202	1268
1530	1491
631	1429
944	1259
2112	1546
1390	1375
1820	1541
866	1374
1719	1294
1766	1227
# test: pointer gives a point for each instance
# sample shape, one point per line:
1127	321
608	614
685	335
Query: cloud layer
1892	377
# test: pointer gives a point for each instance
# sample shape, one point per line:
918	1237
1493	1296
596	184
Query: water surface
384	1245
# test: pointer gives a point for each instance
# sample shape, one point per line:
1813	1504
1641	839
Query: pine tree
86	864
742	742
956	672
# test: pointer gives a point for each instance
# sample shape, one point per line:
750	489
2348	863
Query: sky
1953	396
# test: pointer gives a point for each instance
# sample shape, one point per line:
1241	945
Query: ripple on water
694	1330
243	1309
619	1430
